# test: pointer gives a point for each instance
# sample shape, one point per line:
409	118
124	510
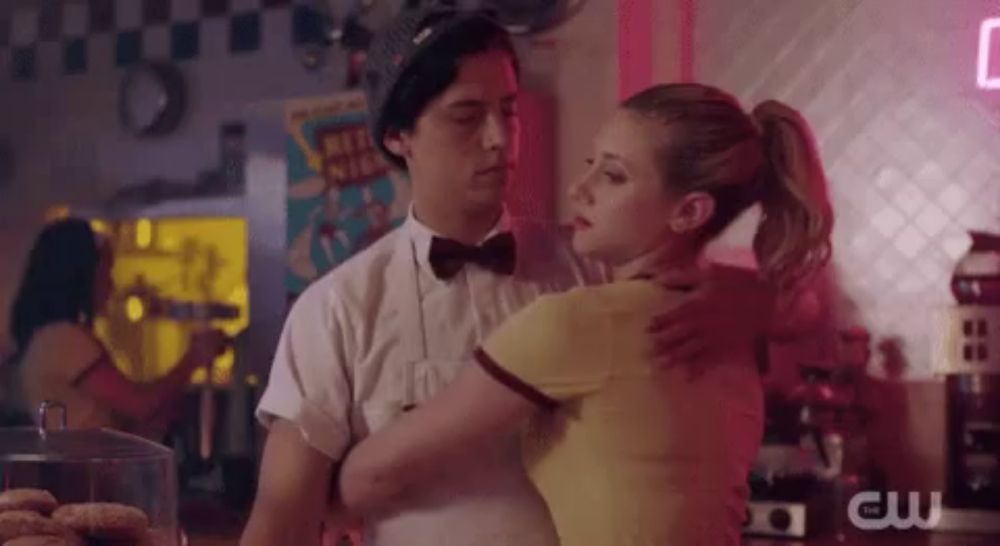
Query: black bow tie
498	254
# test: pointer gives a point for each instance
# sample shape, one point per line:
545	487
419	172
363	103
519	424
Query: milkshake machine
968	355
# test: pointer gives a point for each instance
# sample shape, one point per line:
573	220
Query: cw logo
864	511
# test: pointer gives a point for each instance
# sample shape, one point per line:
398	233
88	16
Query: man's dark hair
436	69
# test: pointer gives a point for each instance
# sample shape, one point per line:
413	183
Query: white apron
488	501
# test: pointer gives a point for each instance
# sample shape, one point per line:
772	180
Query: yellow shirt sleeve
552	351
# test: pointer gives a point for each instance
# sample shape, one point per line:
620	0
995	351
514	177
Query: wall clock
152	99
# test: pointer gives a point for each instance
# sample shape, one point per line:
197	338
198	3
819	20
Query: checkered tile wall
909	144
66	37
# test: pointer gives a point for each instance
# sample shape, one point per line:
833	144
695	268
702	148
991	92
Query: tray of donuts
34	517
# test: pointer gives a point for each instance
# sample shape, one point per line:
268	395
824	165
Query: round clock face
151	100
145	99
521	16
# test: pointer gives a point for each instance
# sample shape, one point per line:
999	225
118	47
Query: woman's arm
105	383
474	407
141	402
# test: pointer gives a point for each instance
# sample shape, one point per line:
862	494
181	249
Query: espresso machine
967	354
811	459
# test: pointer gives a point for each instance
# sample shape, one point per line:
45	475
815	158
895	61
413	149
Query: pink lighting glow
983	78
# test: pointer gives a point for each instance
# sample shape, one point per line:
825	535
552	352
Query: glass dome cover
29	444
94	470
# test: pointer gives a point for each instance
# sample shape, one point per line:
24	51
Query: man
382	332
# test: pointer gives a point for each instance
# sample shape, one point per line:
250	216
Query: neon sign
983	78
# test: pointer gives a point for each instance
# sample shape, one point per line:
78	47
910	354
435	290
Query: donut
19	523
104	520
34	500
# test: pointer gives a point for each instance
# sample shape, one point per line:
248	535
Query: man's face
464	146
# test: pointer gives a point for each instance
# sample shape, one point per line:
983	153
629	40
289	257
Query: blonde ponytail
793	239
707	143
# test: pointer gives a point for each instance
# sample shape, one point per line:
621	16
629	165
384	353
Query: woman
66	283
624	452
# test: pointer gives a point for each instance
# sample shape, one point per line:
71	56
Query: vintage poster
341	193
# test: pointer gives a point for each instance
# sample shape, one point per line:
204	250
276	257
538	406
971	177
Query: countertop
921	538
208	523
198	540
873	539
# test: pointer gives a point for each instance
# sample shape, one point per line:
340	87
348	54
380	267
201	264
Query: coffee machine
967	353
809	463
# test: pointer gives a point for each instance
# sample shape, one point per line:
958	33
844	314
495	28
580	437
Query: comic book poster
341	194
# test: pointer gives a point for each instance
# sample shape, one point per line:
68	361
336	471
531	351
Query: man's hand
724	307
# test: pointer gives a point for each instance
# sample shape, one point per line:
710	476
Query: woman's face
102	277
620	208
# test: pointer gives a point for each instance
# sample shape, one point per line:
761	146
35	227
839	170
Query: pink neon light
686	10
983	79
635	46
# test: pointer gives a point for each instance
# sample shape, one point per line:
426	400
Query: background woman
66	283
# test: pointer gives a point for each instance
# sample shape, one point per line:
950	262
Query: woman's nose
579	192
